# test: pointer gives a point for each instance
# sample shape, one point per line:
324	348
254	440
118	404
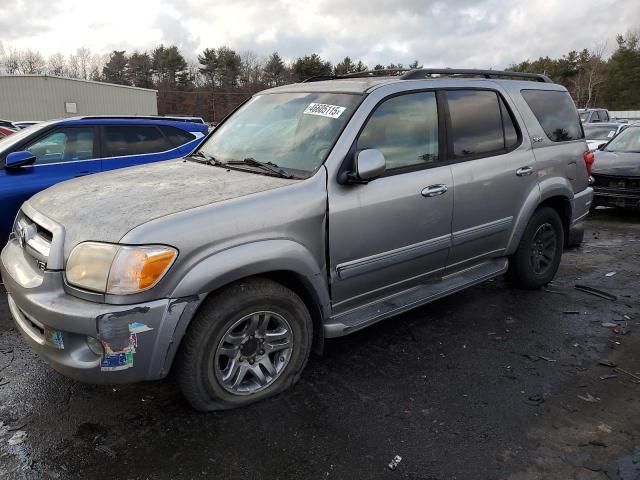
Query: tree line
218	79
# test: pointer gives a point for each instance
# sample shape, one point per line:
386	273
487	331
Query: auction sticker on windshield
324	110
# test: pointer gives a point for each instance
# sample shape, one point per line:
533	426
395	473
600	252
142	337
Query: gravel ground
491	383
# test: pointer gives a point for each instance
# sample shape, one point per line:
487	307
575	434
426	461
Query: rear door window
556	113
481	124
63	145
134	140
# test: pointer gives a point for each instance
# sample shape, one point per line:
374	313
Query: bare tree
57	65
595	72
31	62
84	62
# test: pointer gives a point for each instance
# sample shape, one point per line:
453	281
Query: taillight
589	158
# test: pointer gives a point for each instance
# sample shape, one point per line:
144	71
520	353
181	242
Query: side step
362	317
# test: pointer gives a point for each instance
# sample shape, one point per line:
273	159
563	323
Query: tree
57	65
83	55
229	63
622	85
115	70
140	70
168	62
250	70
208	61
30	63
274	71
310	66
348	66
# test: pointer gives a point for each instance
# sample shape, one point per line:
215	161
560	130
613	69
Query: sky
452	33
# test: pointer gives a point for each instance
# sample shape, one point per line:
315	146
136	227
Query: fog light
95	346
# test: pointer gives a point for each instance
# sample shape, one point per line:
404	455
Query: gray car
313	211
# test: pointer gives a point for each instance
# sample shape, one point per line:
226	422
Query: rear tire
539	252
248	342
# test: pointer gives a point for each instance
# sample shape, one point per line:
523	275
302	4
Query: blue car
50	152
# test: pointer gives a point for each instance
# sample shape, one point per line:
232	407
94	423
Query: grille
610	181
35	239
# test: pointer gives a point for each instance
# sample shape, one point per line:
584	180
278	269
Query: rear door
492	174
128	145
393	232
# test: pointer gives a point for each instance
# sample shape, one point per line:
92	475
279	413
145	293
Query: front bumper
138	342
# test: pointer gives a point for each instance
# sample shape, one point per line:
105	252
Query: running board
362	317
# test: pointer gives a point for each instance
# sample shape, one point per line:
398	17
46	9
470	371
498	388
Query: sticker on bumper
54	338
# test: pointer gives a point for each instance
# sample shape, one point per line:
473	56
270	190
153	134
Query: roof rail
429	72
167	118
423	73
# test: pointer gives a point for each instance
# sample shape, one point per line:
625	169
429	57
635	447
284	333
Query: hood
106	206
617	163
594	144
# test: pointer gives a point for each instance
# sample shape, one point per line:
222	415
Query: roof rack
429	72
424	73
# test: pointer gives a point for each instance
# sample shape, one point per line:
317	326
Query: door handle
524	171
434	190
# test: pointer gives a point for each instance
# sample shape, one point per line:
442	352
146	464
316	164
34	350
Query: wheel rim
253	353
543	248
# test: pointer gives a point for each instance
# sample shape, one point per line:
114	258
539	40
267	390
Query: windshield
584	116
626	141
599	132
8	142
294	131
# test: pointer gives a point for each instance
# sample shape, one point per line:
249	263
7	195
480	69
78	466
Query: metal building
43	97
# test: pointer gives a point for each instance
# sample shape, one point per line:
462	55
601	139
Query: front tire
248	342
538	256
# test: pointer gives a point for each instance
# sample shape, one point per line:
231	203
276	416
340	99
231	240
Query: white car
597	134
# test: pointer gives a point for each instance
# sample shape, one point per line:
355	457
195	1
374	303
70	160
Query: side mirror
19	159
370	164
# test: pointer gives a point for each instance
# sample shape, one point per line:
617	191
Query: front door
61	154
395	231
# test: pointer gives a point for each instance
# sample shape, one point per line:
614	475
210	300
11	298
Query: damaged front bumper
88	341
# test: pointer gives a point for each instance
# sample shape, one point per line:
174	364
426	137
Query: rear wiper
204	158
268	166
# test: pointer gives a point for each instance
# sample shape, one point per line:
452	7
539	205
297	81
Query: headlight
118	269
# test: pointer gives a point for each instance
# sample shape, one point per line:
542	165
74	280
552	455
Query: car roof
106	120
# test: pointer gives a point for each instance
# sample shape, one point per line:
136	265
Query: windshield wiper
268	166
204	158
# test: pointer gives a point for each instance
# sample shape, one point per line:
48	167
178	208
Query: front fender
255	258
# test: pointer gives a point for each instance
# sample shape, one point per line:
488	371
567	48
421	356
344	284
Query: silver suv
313	211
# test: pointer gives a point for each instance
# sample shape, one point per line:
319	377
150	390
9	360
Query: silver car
315	210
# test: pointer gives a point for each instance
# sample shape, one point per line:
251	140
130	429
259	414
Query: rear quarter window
176	136
556	113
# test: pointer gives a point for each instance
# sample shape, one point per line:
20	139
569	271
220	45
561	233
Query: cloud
454	33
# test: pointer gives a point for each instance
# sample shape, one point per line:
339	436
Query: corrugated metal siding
631	114
43	98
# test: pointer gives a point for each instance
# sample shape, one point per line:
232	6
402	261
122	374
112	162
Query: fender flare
255	258
545	189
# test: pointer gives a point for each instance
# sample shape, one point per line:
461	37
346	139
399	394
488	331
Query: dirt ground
491	383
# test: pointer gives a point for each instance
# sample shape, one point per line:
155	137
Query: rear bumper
580	205
130	342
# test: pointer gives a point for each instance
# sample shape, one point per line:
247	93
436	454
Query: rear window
134	140
556	113
176	136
